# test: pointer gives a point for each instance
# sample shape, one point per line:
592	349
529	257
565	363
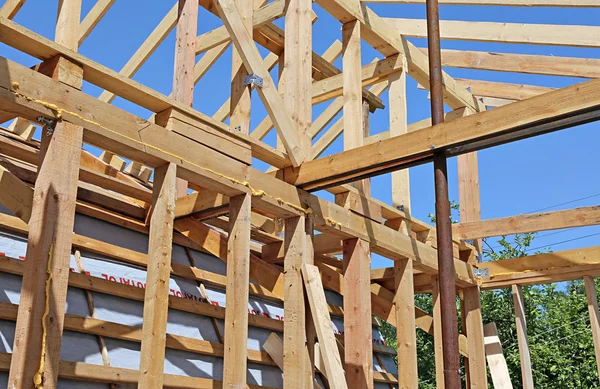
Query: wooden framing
238	212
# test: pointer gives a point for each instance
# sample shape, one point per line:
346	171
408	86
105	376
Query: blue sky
516	178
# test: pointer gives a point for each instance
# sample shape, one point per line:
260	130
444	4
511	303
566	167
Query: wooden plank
323	326
10	8
475	338
297	73
15	195
156	37
156	300
22	128
238	272
185	60
353	117
495	358
240	101
294	347
93	17
514	121
592	301
521	321
501	90
577	217
79	371
522	63
437	333
253	61
512	3
399	126
358	330
404	303
534	34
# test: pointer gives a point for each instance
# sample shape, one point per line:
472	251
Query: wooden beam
475	338
10	8
93	17
253	61
438	344
592	302
297	69
495	358
524	355
535	34
238	272
294	345
38	332
512	3
156	300
15	195
570	106
240	102
358	330
324	328
404	303
577	217
522	63
399	126
501	90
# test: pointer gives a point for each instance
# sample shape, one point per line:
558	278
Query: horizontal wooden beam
578	217
534	34
80	371
522	63
542	268
556	110
501	90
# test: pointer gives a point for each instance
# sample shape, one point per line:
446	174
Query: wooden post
241	94
437	333
311	334
399	126
294	328
238	278
468	187
38	332
185	60
156	297
475	341
297	68
353	112
404	301
358	331
592	300
524	355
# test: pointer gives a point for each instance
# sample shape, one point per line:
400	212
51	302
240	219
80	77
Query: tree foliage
560	338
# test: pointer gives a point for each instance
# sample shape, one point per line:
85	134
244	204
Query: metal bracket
481	273
49	123
253	79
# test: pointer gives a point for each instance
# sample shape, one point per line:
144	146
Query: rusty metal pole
442	209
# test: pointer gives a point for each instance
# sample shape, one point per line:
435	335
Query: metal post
442	209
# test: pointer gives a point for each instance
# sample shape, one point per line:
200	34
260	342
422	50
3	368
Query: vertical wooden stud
524	354
40	319
241	94
358	331
592	300
294	326
185	61
404	301
399	126
238	274
437	333
475	341
156	298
